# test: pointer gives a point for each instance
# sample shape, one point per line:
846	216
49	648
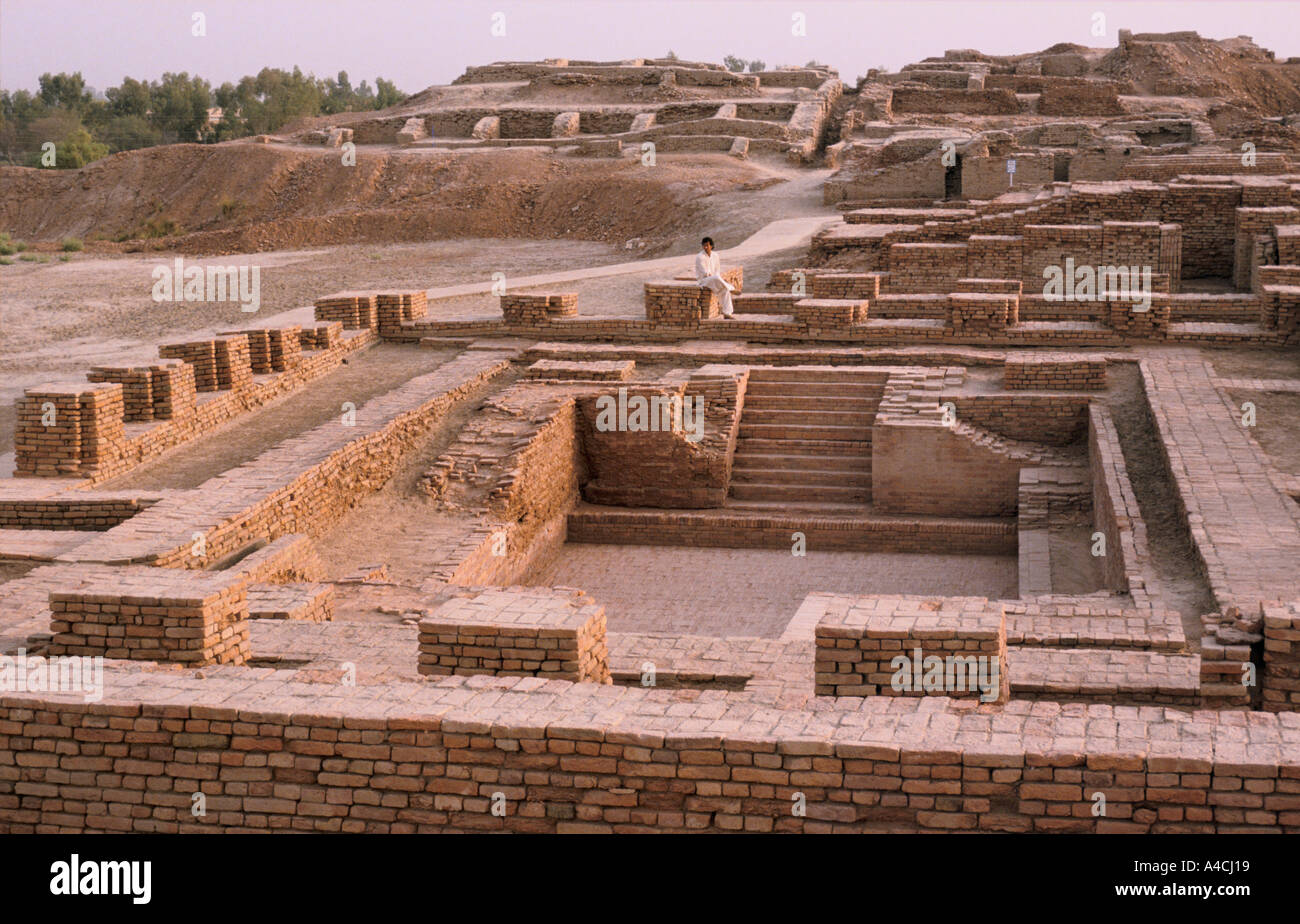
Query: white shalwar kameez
708	273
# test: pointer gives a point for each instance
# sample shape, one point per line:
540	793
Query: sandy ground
1277	426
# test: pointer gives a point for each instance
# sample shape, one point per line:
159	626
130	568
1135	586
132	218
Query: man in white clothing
708	273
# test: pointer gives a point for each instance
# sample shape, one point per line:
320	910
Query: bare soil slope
243	197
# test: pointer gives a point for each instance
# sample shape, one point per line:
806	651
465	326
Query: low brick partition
846	285
200	355
982	312
517	632
322	336
830	313
153	614
137	388
538	309
952	646
611	370
274	349
1055	372
354	310
307	602
392	308
680	302
175	394
1281	675
1226	659
1130	320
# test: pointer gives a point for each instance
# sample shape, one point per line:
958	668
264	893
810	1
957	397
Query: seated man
708	273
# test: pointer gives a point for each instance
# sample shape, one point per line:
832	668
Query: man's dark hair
707	240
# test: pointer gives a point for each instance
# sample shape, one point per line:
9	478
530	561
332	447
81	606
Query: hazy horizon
111	39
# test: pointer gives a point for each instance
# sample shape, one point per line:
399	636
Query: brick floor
753	592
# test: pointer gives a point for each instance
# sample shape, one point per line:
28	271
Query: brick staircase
805	438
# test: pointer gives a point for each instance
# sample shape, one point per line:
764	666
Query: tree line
85	126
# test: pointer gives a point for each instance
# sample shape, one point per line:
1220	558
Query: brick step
852	375
801	476
865	404
1108	675
812	390
829	432
797	447
798	492
820	417
799	461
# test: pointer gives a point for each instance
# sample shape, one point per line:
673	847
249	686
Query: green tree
733	64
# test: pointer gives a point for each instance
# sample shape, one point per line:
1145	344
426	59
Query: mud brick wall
517	633
153	614
322	336
1050	245
1126	566
846	285
1170	260
995	256
1250	224
830	313
85	429
682	303
291	558
171	388
79	511
1280	310
1082	99
137	388
990	286
1288	244
392	308
230	358
1280	680
1127	320
856	645
1226	659
1131	243
965	102
354	310
1207	213
1056	420
987	177
201	356
978	313
1054	372
926	267
537	309
663	468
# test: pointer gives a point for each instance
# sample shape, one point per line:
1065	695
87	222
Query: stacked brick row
322	336
538	309
200	355
1051	245
830	313
392	308
1130	320
137	388
275	349
1281	675
1055	372
556	635
1226	661
68	429
679	304
354	310
231	364
304	602
926	267
153	614
995	256
172	384
858	646
846	286
1252	223
1280	310
977	313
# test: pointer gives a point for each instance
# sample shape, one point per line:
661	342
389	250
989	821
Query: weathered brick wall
1056	420
1050	245
533	309
995	256
1280	680
1097	98
518	632
926	267
1207	213
856	647
1054	371
153	614
1126	565
981	313
122	766
987	177
966	102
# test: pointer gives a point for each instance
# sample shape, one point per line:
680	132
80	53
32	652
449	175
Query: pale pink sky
417	44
